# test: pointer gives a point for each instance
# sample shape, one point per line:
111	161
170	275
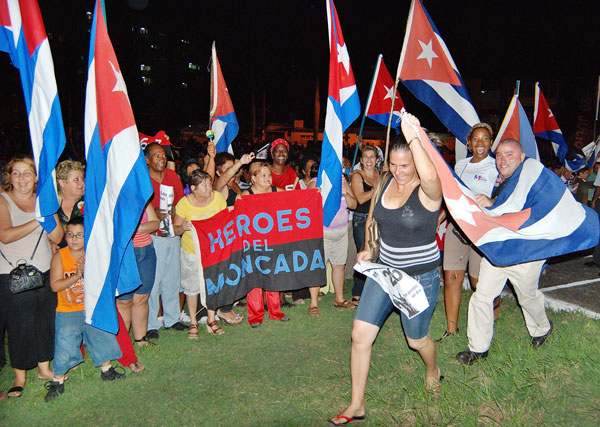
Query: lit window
184	85
144	67
143	31
193	66
147	80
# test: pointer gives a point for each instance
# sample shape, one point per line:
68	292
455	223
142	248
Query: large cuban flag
516	126
534	217
428	71
379	101
343	107
23	36
545	126
117	181
223	121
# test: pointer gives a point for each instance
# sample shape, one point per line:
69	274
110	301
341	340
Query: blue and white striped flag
343	107
23	36
117	182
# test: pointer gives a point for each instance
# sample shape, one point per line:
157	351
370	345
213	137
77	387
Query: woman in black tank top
362	182
413	190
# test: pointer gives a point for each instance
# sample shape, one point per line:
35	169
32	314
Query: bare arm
358	189
347	193
430	182
10	233
57	280
178	225
152	223
596	196
365	253
209	166
221	183
56	235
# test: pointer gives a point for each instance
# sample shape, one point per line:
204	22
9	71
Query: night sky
280	47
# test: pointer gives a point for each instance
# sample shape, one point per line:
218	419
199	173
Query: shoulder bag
374	227
24	276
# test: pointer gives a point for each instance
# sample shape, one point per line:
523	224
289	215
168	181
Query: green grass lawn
297	373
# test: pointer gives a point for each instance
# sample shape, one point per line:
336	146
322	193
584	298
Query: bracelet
410	142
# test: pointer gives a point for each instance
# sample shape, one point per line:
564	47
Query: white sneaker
203	320
184	317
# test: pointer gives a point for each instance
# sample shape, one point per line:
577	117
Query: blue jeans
167	282
146	263
359	221
375	305
70	331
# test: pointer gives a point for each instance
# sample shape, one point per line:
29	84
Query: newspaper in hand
165	226
405	292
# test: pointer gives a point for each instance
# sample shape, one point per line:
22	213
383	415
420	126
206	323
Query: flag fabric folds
534	217
117	181
223	121
428	71
379	101
516	126
545	126
343	107
23	36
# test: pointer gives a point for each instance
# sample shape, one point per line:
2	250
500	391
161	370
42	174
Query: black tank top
273	189
364	207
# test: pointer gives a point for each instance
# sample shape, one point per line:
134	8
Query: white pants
524	278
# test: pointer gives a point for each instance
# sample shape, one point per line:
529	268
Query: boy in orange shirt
66	278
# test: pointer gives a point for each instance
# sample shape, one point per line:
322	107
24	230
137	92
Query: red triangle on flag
426	56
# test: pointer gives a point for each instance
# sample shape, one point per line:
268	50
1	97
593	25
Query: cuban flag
379	101
23	36
534	217
545	126
343	107
223	121
428	71
117	181
516	126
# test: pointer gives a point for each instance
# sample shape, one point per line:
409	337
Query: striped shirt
408	235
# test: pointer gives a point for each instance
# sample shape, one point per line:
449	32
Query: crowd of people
404	197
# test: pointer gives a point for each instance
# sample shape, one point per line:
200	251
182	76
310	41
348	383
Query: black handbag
24	277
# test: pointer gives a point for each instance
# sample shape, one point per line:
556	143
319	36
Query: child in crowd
66	278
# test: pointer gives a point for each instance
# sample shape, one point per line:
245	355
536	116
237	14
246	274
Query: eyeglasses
77	236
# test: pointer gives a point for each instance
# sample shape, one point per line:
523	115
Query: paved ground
569	285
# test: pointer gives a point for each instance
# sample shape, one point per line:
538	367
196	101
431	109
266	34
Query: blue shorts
146	263
70	331
375	305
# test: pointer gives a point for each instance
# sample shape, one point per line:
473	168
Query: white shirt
480	177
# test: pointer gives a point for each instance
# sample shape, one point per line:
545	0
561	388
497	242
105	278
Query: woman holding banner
407	210
201	203
262	182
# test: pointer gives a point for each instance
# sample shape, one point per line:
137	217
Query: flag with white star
533	217
428	71
343	107
117	182
379	101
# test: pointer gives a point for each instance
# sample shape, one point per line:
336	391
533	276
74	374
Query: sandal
355	300
213	328
447	334
433	386
136	367
346	420
193	331
313	311
16	389
143	342
235	320
343	304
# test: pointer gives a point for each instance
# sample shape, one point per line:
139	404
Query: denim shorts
70	331
375	305
146	263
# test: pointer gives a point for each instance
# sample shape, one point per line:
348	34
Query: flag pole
597	102
387	136
518	85
210	104
362	123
